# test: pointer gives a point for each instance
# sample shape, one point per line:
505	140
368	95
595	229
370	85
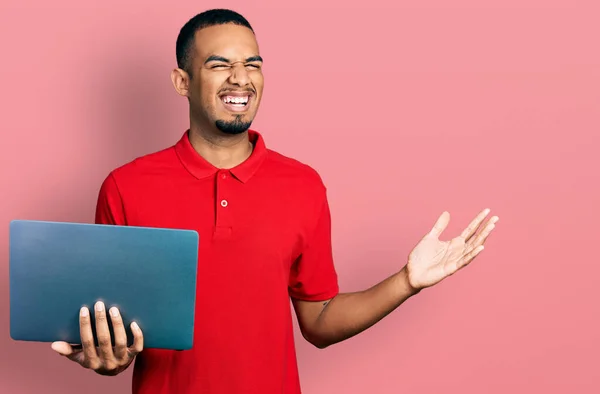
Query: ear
181	81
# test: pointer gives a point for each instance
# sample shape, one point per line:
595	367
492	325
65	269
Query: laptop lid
56	268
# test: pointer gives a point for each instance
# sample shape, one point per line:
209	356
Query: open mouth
236	101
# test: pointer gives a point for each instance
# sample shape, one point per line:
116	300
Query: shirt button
223	176
223	203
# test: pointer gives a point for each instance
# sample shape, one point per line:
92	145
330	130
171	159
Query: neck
222	151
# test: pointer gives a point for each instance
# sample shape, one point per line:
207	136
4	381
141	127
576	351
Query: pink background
406	109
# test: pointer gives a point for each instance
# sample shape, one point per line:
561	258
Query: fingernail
99	306
84	311
114	312
135	326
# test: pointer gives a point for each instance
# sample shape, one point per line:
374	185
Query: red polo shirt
264	236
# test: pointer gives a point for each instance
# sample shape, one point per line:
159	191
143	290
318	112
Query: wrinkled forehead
229	41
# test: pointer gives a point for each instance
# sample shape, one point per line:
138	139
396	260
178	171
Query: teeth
235	100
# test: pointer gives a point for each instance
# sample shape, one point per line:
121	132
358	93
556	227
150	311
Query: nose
239	75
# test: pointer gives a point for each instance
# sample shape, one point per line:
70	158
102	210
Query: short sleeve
313	276
109	207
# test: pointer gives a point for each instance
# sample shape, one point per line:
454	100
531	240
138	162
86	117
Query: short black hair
185	40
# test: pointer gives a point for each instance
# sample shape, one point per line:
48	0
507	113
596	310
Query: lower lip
235	107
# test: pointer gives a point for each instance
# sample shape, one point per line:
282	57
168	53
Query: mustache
233	90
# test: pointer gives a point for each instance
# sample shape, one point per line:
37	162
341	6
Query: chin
233	126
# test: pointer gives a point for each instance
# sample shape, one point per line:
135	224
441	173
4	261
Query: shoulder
140	170
293	170
147	164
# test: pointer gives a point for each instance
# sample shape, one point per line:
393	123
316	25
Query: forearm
348	314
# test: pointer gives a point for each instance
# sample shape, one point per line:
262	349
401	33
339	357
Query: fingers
440	225
475	245
120	350
138	340
87	338
484	234
469	257
102	358
105	350
472	227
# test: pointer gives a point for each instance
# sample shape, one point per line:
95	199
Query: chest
261	224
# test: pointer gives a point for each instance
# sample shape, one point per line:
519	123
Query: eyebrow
216	58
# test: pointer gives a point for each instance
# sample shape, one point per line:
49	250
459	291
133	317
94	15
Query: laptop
55	268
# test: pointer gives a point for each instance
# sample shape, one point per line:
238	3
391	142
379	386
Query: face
226	85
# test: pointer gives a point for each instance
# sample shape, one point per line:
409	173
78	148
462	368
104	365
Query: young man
264	227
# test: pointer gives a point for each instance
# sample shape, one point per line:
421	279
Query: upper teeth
235	99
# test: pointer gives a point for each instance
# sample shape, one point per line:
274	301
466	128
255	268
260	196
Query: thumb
68	351
62	348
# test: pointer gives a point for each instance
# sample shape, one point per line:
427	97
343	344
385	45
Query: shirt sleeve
313	276
109	207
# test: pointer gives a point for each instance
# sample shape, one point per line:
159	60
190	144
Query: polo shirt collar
200	168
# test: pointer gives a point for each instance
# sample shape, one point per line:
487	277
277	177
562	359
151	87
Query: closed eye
220	66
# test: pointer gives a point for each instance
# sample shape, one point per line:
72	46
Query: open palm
432	260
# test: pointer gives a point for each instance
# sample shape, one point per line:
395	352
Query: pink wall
406	111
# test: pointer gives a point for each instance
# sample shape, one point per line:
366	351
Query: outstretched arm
431	261
348	314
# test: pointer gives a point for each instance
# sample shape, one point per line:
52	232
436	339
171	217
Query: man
264	226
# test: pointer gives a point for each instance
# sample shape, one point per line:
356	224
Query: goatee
236	126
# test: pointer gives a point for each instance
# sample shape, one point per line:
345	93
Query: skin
431	261
227	59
